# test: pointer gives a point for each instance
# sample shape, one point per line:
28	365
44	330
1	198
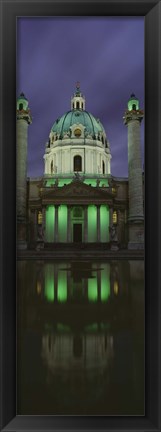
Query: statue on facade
113	237
40	238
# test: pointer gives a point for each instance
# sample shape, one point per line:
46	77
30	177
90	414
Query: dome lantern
22	102
78	100
133	103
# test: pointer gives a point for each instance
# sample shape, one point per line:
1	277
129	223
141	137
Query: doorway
77	233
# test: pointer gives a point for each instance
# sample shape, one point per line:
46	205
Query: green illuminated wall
105	282
92	223
62	182
50	218
62	286
49	282
104	222
90	181
50	182
92	290
62	223
93	182
103	182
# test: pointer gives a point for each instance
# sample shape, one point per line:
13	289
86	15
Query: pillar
43	222
98	223
23	120
85	225
111	217
69	224
132	119
55	283
56	225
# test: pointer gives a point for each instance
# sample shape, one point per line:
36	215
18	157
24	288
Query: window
114	219
20	106
77	212
134	107
52	167
103	167
77	105
77	132
77	163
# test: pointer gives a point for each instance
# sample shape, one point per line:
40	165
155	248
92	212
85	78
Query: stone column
43	223
85	224
121	227
111	216
133	118
135	171
98	224
56	283
33	227
68	285
56	224
23	120
69	224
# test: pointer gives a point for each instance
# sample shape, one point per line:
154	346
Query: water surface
80	338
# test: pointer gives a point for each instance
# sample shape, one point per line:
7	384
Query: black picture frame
151	10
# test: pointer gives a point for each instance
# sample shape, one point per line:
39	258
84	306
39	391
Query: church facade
78	201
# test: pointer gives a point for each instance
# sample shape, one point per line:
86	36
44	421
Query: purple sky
105	54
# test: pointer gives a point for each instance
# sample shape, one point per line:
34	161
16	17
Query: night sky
105	54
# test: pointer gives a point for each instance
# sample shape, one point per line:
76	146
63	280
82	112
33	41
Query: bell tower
23	121
132	119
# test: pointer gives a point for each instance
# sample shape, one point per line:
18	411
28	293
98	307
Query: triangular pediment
76	189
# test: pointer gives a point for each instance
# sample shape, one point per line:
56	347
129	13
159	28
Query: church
78	203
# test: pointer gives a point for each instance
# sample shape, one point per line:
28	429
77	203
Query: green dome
92	126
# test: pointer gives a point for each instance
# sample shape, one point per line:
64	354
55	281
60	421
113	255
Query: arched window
20	106
73	105
77	163
77	105
134	107
52	167
103	167
82	105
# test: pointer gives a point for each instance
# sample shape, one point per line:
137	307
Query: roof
93	126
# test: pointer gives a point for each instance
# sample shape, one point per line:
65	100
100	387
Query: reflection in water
68	283
81	338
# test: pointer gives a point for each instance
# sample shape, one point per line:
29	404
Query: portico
75	224
76	213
